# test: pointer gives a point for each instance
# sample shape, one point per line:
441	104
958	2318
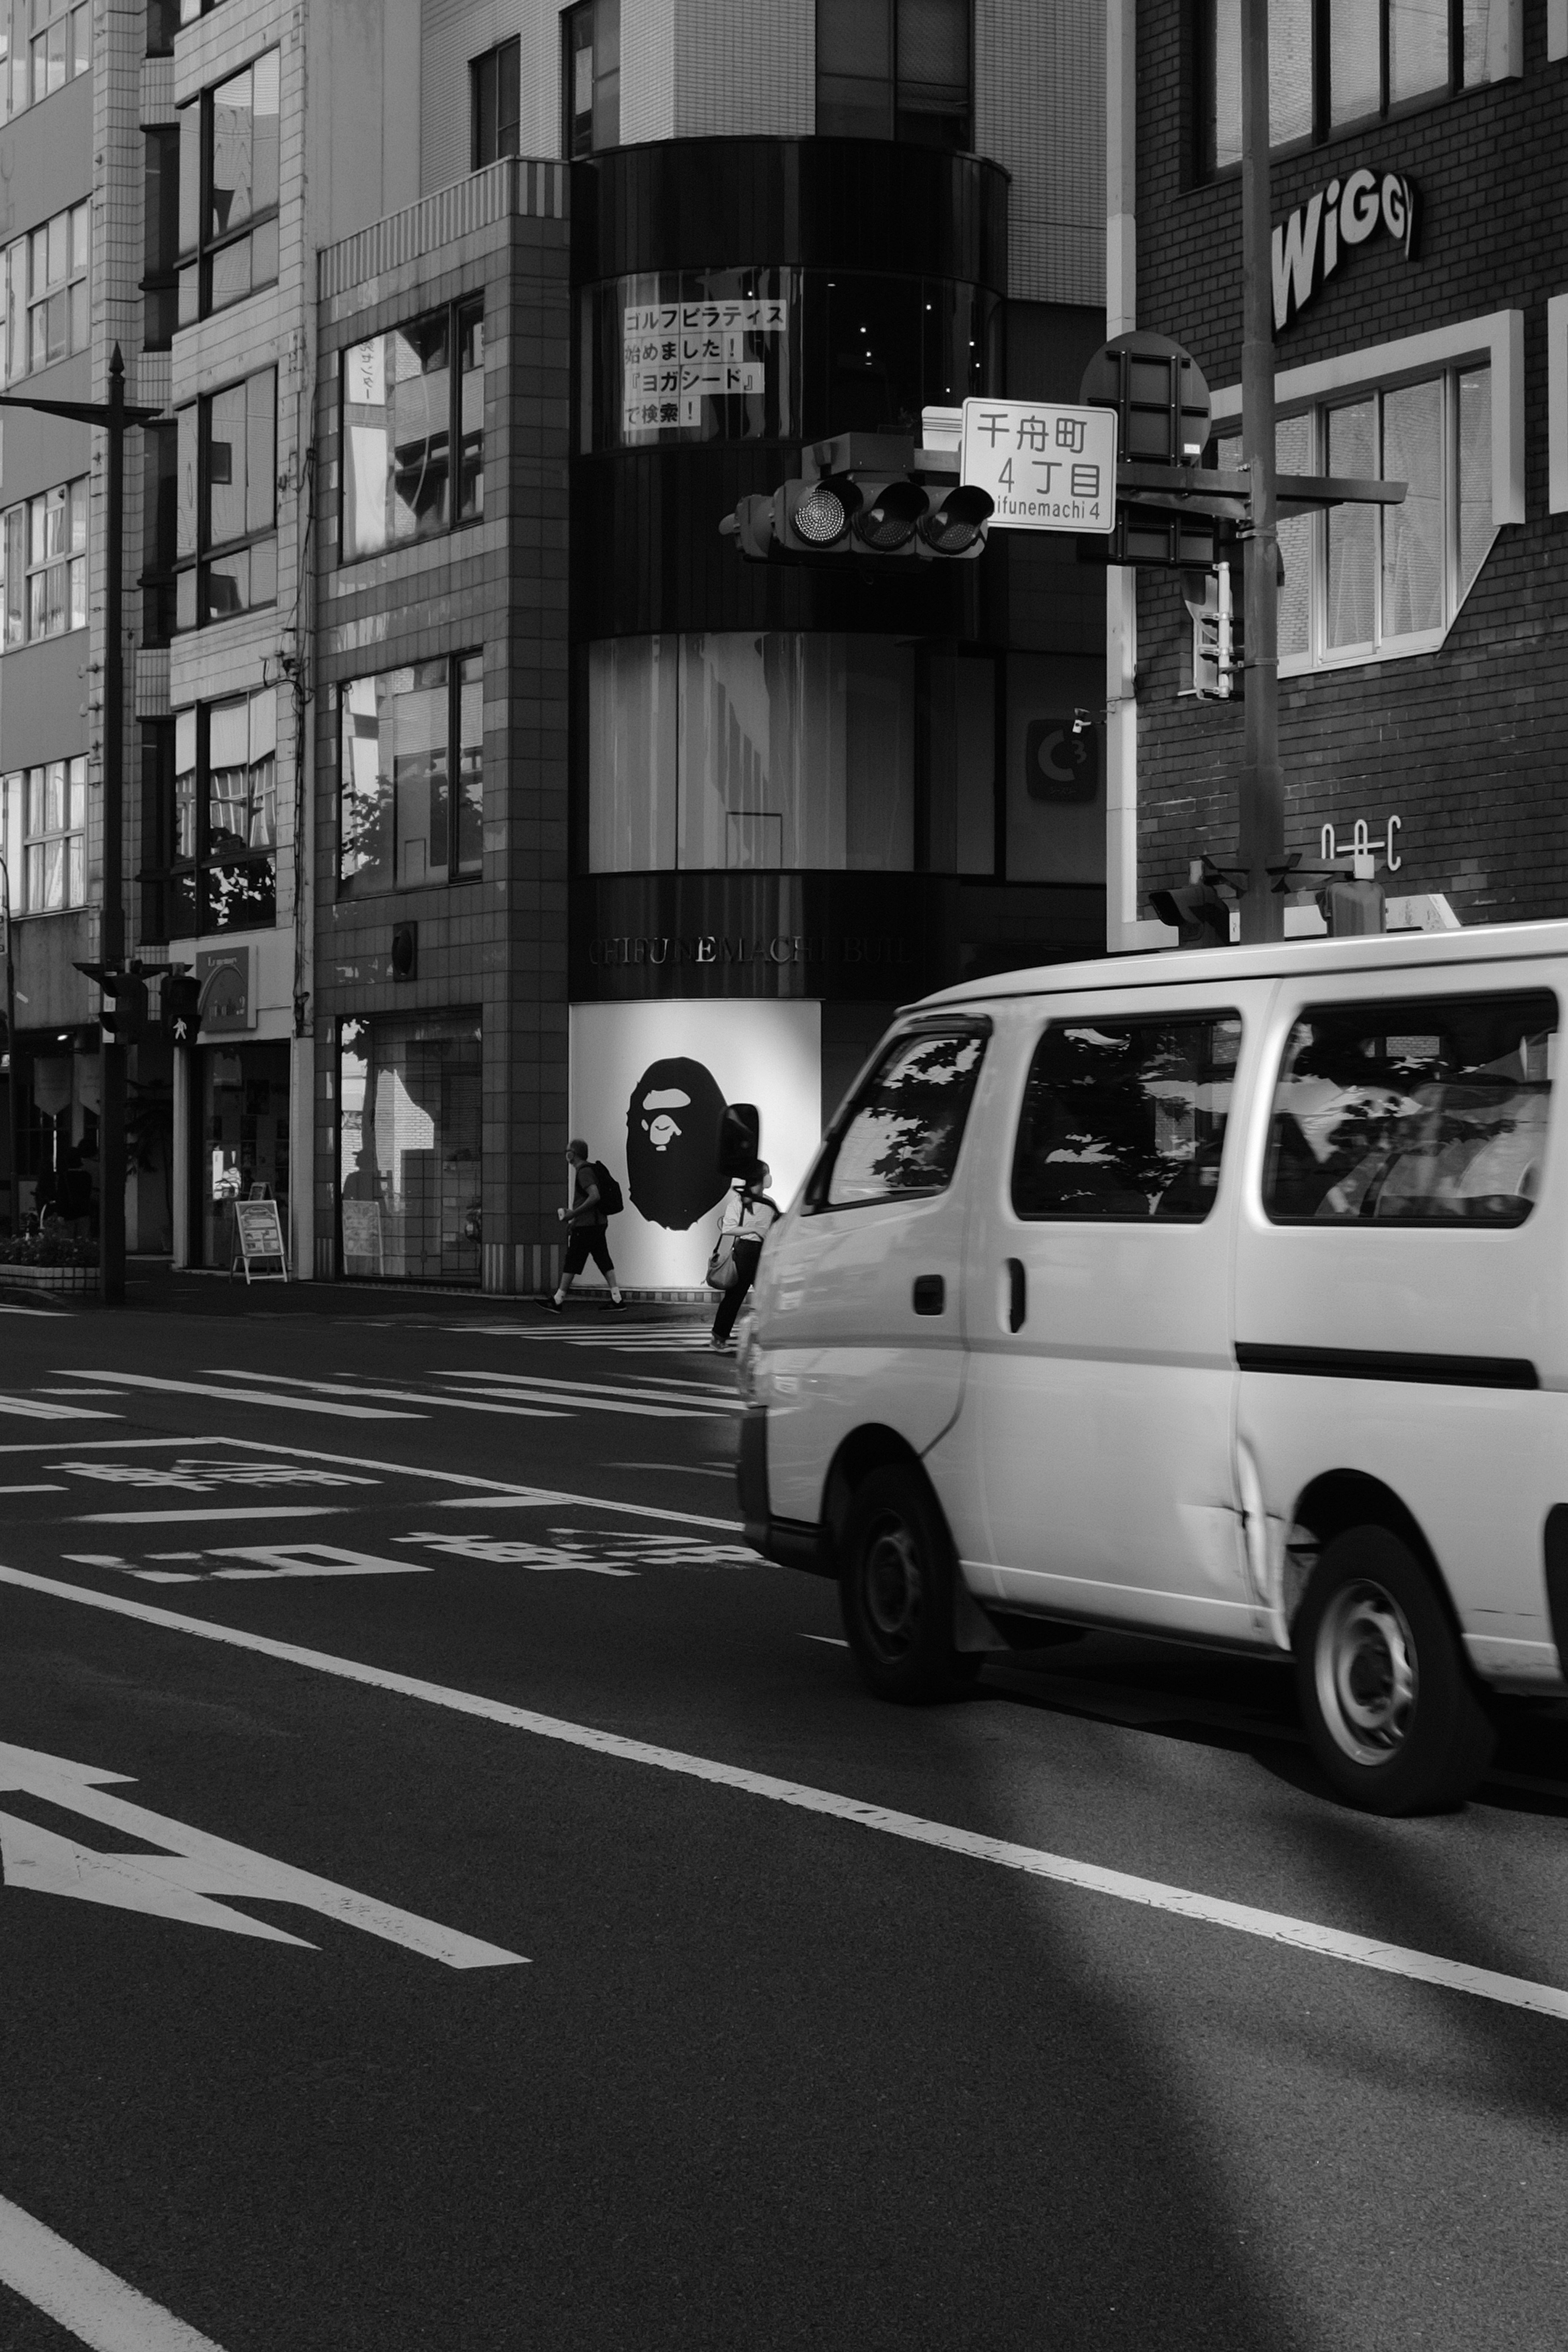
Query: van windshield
903	1134
1431	1111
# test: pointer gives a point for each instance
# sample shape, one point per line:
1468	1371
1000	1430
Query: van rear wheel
896	1589
1391	1713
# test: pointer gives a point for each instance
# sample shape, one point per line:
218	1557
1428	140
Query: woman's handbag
722	1271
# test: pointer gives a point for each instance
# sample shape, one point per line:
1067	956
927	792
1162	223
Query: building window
163	24
1363	582
229	191
222	831
226	502
160	542
411	813
495	82
406	407
47	806
45	562
46	292
410	1139
894	69
160	238
191	10
1333	63
49	44
591	60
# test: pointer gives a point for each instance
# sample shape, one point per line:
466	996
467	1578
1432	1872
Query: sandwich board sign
258	1240
1046	468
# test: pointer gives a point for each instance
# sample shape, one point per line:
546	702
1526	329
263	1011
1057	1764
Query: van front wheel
1391	1711
896	1590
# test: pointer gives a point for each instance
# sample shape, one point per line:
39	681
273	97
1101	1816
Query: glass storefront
243	1140
409	1136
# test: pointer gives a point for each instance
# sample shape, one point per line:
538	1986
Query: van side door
1098	1420
860	1300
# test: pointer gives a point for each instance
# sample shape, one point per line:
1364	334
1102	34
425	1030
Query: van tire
896	1590
1392	1715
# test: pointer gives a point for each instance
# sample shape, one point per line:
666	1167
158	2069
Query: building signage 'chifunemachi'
1309	246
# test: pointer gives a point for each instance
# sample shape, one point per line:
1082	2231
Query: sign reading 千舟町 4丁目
1310	245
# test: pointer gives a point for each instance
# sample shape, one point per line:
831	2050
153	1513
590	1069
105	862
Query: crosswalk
352	1396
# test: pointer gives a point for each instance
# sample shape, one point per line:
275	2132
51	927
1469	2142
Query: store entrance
242	1142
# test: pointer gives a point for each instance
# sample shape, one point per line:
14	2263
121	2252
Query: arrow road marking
176	1883
91	2302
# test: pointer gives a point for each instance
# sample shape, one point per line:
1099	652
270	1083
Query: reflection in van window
1431	1112
904	1132
1126	1118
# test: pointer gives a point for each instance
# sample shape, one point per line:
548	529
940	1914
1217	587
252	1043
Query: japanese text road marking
176	1885
88	2301
1274	1926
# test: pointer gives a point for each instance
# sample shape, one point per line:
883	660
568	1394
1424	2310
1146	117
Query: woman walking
749	1215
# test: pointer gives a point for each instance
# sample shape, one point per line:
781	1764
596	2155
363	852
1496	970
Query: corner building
1421	335
612	827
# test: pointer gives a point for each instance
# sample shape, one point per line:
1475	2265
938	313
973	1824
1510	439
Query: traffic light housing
181	1007
863	497
1218	670
122	1013
1197	911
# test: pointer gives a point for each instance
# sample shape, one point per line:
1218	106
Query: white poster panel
1047	468
647	1083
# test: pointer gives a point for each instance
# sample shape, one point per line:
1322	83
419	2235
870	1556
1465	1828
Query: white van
1218	1295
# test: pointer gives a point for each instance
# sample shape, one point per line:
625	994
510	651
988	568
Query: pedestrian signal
1197	911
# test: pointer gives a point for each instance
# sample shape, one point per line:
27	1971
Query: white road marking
522	1498
221	1511
90	2303
75	1391
560	1395
204	1477
1243	1919
832	1640
644	1392
507	1551
234	1396
116	1445
347	1388
47	1487
36	1409
176	1885
311	1559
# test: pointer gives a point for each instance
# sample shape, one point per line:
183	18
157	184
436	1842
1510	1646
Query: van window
1126	1118
903	1133
1431	1112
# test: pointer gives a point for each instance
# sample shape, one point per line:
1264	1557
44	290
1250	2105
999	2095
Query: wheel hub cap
1367	1674
892	1586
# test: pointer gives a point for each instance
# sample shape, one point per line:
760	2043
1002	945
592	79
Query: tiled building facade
1419	675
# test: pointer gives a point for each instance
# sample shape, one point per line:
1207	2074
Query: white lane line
240	1511
586	1403
91	2302
113	1444
522	1498
831	1641
80	1392
47	1487
344	1389
35	1409
243	1396
1243	1919
529	1383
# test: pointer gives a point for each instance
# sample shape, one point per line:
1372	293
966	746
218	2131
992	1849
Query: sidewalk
154	1286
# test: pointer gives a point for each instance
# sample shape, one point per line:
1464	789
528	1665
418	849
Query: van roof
1214	967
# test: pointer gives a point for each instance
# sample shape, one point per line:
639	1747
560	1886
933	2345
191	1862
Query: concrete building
1421	332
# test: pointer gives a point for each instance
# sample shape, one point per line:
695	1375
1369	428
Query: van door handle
1018	1294
930	1294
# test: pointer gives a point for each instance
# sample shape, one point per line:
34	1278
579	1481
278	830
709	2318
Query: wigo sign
1313	242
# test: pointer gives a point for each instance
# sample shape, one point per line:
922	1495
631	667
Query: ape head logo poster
648	1086
672	1140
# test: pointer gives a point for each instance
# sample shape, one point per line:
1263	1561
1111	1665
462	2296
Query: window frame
485	108
1172	1017
17	797
456	873
814	1201
198	253
72	559
21	299
1324	126
463	307
901	118
603	19
193	870
192	568
160	282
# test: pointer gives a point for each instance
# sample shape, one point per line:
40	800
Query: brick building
1421	648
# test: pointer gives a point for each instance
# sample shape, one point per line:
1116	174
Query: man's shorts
585	1242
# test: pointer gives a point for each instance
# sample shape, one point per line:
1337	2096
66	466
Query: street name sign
1046	468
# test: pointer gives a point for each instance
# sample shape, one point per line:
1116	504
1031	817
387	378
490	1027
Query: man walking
588	1218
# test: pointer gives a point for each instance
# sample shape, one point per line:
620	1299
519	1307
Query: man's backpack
611	1198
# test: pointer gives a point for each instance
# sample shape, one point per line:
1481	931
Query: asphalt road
456	1897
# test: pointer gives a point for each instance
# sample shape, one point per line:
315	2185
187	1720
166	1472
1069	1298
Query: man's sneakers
617	1305
553	1306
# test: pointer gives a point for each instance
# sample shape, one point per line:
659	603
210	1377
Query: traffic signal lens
888	521
953	526
820	517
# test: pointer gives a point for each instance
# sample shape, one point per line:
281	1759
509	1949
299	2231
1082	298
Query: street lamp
113	416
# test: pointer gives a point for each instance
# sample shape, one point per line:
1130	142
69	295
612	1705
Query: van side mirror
740	1140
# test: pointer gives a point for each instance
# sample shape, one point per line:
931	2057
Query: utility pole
113	416
1262	827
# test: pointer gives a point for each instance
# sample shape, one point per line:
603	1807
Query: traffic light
182	1006
1217	667
1197	911
122	1014
863	497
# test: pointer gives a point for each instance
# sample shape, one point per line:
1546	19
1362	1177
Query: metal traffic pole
1262	826
113	416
